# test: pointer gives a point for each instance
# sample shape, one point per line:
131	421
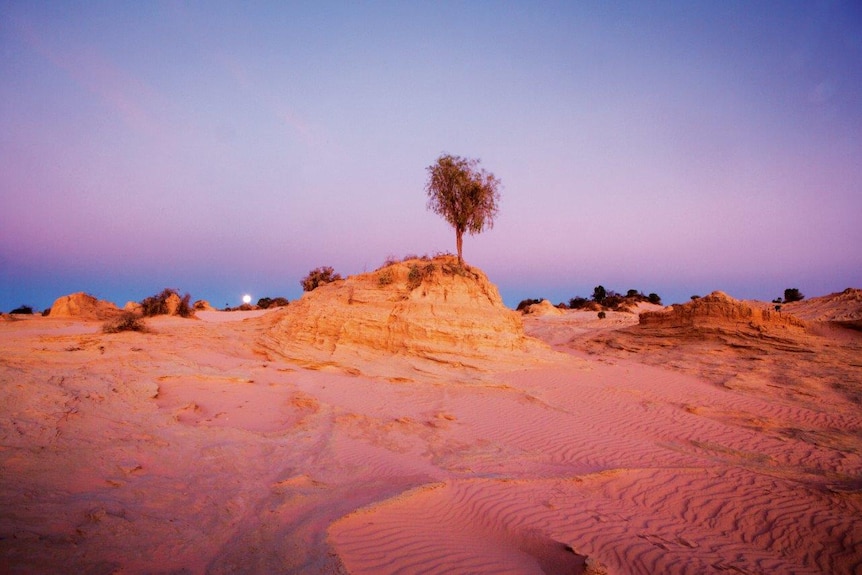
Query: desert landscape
406	421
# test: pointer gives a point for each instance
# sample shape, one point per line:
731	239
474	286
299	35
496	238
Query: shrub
599	294
602	315
525	303
417	275
613	300
268	302
128	321
694	297
654	298
318	277
185	309
578	302
158	304
22	310
385	277
423	257
792	294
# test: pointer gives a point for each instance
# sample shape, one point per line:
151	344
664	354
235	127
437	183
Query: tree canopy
465	195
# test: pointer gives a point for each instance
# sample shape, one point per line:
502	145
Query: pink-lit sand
194	449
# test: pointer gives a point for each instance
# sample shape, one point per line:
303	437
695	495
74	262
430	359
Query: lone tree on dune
464	194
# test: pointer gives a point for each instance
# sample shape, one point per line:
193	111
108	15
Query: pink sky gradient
229	149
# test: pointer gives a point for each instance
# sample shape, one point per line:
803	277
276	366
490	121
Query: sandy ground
193	449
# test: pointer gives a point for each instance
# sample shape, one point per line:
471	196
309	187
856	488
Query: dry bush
318	277
127	321
419	274
158	304
525	303
385	277
268	302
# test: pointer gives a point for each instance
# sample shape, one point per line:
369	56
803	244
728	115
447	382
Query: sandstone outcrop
418	312
845	306
83	306
720	312
172	303
133	307
203	305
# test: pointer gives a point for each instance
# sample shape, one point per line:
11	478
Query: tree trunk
459	240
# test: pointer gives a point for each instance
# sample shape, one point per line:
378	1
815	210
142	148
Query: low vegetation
421	268
127	321
385	277
792	294
318	277
418	274
602	300
271	302
525	303
22	310
168	302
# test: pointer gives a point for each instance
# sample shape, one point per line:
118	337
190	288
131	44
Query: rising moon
246	298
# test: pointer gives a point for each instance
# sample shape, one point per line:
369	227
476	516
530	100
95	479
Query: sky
228	148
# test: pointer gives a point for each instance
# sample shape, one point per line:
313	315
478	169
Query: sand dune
202	447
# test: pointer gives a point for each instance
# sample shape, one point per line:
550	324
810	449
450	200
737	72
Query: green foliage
128	321
22	310
602	315
793	294
694	297
654	298
465	195
318	277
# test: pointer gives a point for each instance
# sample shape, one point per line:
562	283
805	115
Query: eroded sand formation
213	447
420	314
84	307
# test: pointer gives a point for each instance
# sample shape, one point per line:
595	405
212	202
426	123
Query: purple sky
229	148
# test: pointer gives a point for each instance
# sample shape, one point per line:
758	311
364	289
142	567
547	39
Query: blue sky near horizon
227	148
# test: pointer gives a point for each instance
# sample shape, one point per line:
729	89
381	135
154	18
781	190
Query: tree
465	195
792	294
599	294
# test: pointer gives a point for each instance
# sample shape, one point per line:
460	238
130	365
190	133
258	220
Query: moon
246	299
